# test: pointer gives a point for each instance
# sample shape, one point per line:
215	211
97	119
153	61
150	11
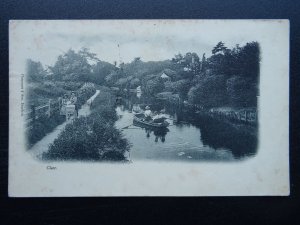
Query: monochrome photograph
184	101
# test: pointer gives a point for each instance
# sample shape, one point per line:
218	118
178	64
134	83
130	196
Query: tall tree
219	48
73	65
100	71
35	71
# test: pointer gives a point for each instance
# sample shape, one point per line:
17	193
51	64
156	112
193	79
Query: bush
46	90
69	86
104	100
42	126
92	138
85	92
89	138
209	92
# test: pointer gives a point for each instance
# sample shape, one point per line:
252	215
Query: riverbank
45	124
42	146
235	115
92	138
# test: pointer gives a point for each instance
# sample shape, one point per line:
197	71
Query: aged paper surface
148	108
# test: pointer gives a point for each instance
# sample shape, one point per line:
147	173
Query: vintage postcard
148	108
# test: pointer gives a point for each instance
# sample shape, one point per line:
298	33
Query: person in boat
158	117
136	108
64	102
147	113
73	101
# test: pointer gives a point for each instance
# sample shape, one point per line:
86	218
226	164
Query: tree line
229	77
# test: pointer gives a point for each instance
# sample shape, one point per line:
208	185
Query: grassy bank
39	93
45	124
92	138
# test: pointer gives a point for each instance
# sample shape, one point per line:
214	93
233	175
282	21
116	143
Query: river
191	137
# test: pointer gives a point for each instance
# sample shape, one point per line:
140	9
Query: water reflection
159	134
191	136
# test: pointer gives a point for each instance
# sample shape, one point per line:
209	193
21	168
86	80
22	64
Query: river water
191	137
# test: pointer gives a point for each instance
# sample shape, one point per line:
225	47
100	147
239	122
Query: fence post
49	108
59	104
33	113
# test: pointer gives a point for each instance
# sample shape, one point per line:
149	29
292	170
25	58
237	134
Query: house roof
164	76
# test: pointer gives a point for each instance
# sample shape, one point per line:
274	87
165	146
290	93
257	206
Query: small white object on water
181	153
189	157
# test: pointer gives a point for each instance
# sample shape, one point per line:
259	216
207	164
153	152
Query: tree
219	48
177	58
241	92
35	71
210	92
154	86
249	59
203	63
180	87
239	60
73	66
100	71
135	82
111	78
85	52
137	60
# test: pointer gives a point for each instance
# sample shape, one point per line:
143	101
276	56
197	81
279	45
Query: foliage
39	93
241	92
78	66
68	86
135	82
218	83
139	69
42	127
113	77
105	98
100	71
123	82
219	48
34	71
71	66
164	95
210	92
93	137
84	93
180	87
154	86
240	60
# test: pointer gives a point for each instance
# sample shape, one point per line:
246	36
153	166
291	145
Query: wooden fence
36	112
244	115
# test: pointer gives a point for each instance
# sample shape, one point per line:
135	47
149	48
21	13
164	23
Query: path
42	146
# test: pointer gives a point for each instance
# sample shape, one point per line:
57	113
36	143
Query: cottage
165	77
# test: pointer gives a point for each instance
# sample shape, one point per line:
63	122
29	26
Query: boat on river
140	120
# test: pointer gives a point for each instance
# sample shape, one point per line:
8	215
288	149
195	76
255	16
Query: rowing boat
139	119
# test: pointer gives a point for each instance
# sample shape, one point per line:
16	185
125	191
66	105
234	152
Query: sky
152	40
